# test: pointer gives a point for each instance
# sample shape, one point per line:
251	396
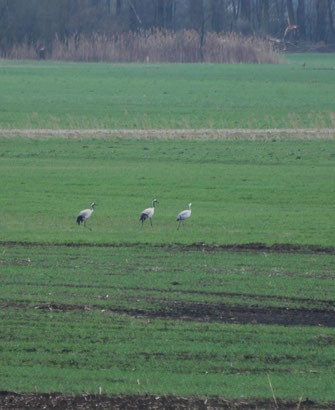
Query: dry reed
186	46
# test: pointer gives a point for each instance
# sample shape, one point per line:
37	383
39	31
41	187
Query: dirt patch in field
244	315
258	247
247	247
163	309
9	400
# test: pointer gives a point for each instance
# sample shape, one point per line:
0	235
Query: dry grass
185	46
236	134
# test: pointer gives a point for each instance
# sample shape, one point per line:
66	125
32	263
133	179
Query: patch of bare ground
196	311
10	400
292	133
247	247
325	304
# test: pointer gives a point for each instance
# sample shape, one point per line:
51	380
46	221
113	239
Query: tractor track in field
247	247
326	304
197	311
60	401
207	133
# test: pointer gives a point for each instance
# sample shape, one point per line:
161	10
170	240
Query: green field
237	304
156	315
150	96
242	191
144	320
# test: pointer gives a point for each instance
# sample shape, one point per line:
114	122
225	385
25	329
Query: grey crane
184	215
85	214
149	212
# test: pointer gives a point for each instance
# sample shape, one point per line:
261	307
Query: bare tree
321	19
331	17
216	15
196	10
38	22
133	13
290	12
265	16
163	13
118	7
301	22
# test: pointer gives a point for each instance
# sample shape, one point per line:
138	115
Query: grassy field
144	320
242	191
239	303
81	95
157	315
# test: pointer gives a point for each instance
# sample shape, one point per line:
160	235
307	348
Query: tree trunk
321	20
330	17
301	18
134	19
196	8
118	7
290	12
159	13
216	14
245	10
170	6
266	16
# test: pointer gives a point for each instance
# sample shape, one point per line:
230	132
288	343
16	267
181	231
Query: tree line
39	22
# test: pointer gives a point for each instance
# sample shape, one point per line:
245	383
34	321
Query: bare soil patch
247	247
10	400
216	312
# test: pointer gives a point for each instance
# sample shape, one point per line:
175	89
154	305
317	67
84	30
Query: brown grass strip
249	134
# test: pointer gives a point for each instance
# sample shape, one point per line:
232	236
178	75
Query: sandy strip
303	133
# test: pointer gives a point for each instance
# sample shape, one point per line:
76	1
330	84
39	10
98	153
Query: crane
184	214
85	214
149	212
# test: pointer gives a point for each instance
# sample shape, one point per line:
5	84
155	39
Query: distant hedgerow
187	46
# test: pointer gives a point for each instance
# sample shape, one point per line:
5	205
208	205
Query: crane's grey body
148	213
184	215
85	214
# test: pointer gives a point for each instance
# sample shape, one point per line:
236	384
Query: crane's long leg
151	221
178	225
87	226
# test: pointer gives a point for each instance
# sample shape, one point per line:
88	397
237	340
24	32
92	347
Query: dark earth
60	401
210	312
247	247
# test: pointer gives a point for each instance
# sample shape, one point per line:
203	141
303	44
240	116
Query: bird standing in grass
148	213
85	215
184	215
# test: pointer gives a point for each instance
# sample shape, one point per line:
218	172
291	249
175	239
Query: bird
184	215
85	214
149	212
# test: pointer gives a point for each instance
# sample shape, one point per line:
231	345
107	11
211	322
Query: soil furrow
247	247
11	400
